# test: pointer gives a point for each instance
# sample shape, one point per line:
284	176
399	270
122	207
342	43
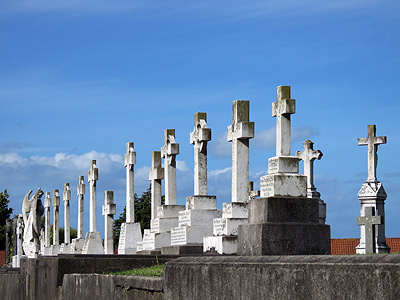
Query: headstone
369	221
372	194
19	232
47	205
109	210
8	240
308	155
35	209
77	243
93	243
225	229
283	221
55	248
130	233
196	222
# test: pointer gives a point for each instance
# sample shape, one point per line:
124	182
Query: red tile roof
348	246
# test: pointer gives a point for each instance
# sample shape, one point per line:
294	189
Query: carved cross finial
308	155
130	156
372	141
170	148
93	173
201	134
56	198
67	192
80	189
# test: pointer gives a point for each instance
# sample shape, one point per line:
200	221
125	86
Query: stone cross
130	161
239	133
282	109
199	138
109	210
372	141
80	192
67	227
156	174
56	217
369	221
169	152
47	205
8	240
308	155
92	178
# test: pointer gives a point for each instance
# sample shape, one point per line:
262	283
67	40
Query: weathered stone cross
56	217
169	152
109	210
130	161
372	141
156	174
199	137
369	221
239	133
66	199
308	155
80	192
282	109
93	176
47	205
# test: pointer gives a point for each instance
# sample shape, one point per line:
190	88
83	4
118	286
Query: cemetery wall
284	277
10	284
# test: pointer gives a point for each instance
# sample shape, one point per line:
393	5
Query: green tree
5	214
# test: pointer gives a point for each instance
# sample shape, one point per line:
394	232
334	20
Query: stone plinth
153	240
130	235
283	185
189	234
220	245
201	202
93	244
77	246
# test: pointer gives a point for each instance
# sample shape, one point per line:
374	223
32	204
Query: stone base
139	246
130	235
201	202
163	224
182	250
220	245
93	244
169	211
284	239
152	241
189	234
46	251
235	210
149	252
77	246
283	185
65	248
227	226
54	250
380	248
198	217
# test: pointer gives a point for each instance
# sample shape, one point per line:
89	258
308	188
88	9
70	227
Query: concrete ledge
283	277
182	250
95	286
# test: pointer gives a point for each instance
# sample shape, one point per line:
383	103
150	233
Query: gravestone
93	243
225	229
8	240
47	205
109	210
77	243
55	248
19	230
372	194
283	221
65	247
308	155
369	221
130	233
159	234
196	222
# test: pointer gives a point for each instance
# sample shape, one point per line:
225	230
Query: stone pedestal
225	229
77	246
93	244
283	226
130	235
54	250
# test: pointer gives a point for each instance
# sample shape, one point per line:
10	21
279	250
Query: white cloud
220	147
219	172
181	166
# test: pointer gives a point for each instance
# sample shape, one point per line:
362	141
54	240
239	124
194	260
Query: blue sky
80	79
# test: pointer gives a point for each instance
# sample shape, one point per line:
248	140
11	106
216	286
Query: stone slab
201	202
182	250
198	217
274	209
284	239
283	164
169	211
235	210
163	224
283	185
224	226
189	234
130	235
152	241
93	244
220	245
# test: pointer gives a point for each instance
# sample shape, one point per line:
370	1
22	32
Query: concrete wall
109	287
10	284
283	277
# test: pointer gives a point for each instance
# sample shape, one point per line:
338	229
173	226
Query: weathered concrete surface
108	287
10	284
283	277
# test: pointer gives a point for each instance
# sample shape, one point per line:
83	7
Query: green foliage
5	214
157	271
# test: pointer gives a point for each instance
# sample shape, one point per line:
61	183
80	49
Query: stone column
20	231
156	174
239	133
8	240
92	178
47	205
56	217
80	193
129	162
372	194
169	152
109	210
67	227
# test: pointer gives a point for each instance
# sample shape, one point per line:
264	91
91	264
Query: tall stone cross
239	133
92	178
282	109
156	174
369	221
109	210
56	217
129	162
67	227
47	205
199	138
372	141
80	190
308	155
169	152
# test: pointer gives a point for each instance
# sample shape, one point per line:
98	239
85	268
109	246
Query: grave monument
16	259
77	243
47	205
65	247
55	248
109	210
